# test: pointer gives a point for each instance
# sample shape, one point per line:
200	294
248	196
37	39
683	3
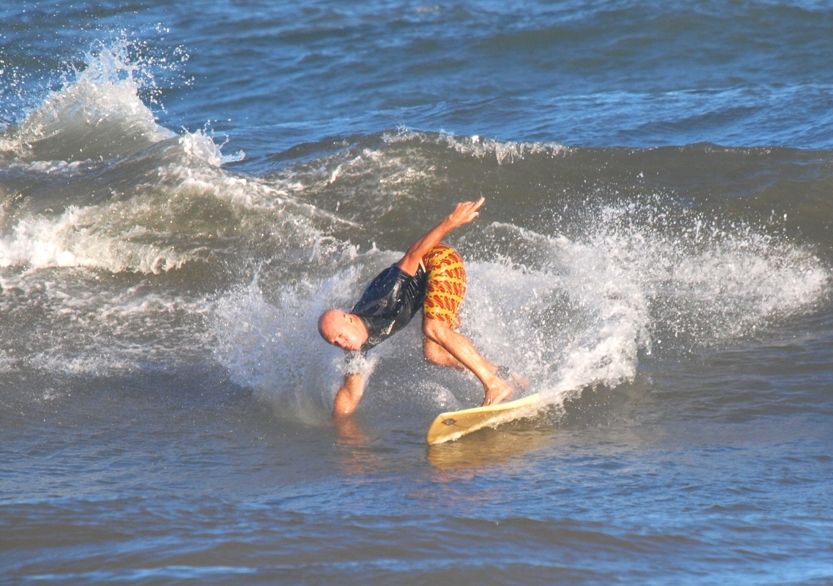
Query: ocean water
185	186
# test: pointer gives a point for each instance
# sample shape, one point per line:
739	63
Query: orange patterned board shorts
446	284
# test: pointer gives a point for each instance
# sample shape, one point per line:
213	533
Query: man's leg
458	350
436	354
444	345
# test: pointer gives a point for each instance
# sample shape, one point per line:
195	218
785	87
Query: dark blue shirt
389	303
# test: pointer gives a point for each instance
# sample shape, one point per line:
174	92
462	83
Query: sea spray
636	283
273	346
98	112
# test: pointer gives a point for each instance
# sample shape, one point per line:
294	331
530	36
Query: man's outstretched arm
463	213
348	395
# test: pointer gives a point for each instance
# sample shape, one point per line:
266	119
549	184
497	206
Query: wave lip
93	180
98	115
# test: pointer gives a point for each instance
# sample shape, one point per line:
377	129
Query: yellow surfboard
453	425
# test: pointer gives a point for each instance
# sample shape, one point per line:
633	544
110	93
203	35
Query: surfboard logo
449	421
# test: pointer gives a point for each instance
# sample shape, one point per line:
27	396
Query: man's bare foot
517	381
497	392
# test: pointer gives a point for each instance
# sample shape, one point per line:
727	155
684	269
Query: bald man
431	277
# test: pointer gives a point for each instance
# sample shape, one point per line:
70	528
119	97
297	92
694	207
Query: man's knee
432	354
437	355
435	330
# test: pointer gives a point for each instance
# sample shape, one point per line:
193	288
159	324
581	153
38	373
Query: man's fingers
473	206
466	211
476	205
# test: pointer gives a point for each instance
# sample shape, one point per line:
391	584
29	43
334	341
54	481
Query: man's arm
464	213
349	395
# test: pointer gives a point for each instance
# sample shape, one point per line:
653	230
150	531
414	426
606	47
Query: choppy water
184	188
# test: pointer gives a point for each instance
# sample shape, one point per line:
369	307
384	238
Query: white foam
77	239
8	363
607	296
479	147
79	365
92	115
274	348
200	145
136	233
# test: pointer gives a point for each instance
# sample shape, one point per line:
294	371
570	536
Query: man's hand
465	212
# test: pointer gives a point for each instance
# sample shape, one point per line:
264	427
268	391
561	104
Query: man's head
342	329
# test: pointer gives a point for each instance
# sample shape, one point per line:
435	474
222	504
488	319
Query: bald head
342	329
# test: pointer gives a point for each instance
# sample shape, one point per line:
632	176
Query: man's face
342	329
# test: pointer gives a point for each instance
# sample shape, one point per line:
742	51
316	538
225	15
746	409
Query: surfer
430	276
